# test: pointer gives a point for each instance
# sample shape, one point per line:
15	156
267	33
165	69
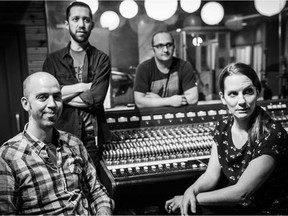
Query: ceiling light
128	8
160	9
93	4
197	41
190	6
110	20
212	13
269	7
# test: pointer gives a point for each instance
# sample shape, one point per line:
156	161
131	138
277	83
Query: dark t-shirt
234	161
180	78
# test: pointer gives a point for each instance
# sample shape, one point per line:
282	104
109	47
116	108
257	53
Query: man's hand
104	211
178	100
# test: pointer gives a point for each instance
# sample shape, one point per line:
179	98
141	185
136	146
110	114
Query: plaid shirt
31	184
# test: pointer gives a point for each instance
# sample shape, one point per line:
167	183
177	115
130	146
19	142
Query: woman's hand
189	198
173	204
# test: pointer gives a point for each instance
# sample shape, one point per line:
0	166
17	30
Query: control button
173	156
145	168
130	161
202	165
153	168
115	162
109	163
137	169
175	165
130	170
167	166
123	161
151	158
194	166
122	171
158	158
114	171
183	164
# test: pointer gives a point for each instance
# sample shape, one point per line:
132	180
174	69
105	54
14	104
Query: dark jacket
60	65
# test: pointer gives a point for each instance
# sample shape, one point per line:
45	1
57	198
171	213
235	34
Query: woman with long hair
247	172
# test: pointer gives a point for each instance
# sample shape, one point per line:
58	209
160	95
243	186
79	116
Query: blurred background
209	34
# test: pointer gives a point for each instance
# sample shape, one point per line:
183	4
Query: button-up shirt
31	184
60	65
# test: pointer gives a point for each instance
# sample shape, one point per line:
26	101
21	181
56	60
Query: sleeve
142	80
49	68
8	191
274	143
100	83
94	190
188	77
46	66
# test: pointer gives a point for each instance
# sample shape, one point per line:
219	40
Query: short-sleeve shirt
180	78
234	161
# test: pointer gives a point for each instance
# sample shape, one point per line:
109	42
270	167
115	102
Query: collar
66	51
36	144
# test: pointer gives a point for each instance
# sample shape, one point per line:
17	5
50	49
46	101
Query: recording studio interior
155	153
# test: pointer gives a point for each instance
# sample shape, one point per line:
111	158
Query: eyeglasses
161	46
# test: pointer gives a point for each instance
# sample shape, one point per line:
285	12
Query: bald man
44	170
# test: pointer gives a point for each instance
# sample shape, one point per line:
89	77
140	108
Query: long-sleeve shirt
30	183
60	65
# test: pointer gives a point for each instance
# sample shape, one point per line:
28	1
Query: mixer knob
160	166
183	164
151	158
125	152
138	160
137	169
179	155
166	157
145	168
158	158
133	152
109	163
141	151
114	171
153	168
175	165
113	153
130	170
145	159
167	166
173	156
186	155
202	165
130	161
194	166
115	162
123	161
122	171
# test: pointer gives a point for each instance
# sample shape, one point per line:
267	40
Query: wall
32	16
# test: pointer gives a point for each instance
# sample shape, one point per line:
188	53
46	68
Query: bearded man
83	72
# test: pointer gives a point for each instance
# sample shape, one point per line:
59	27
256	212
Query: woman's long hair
258	120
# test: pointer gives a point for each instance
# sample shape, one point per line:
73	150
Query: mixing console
164	144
